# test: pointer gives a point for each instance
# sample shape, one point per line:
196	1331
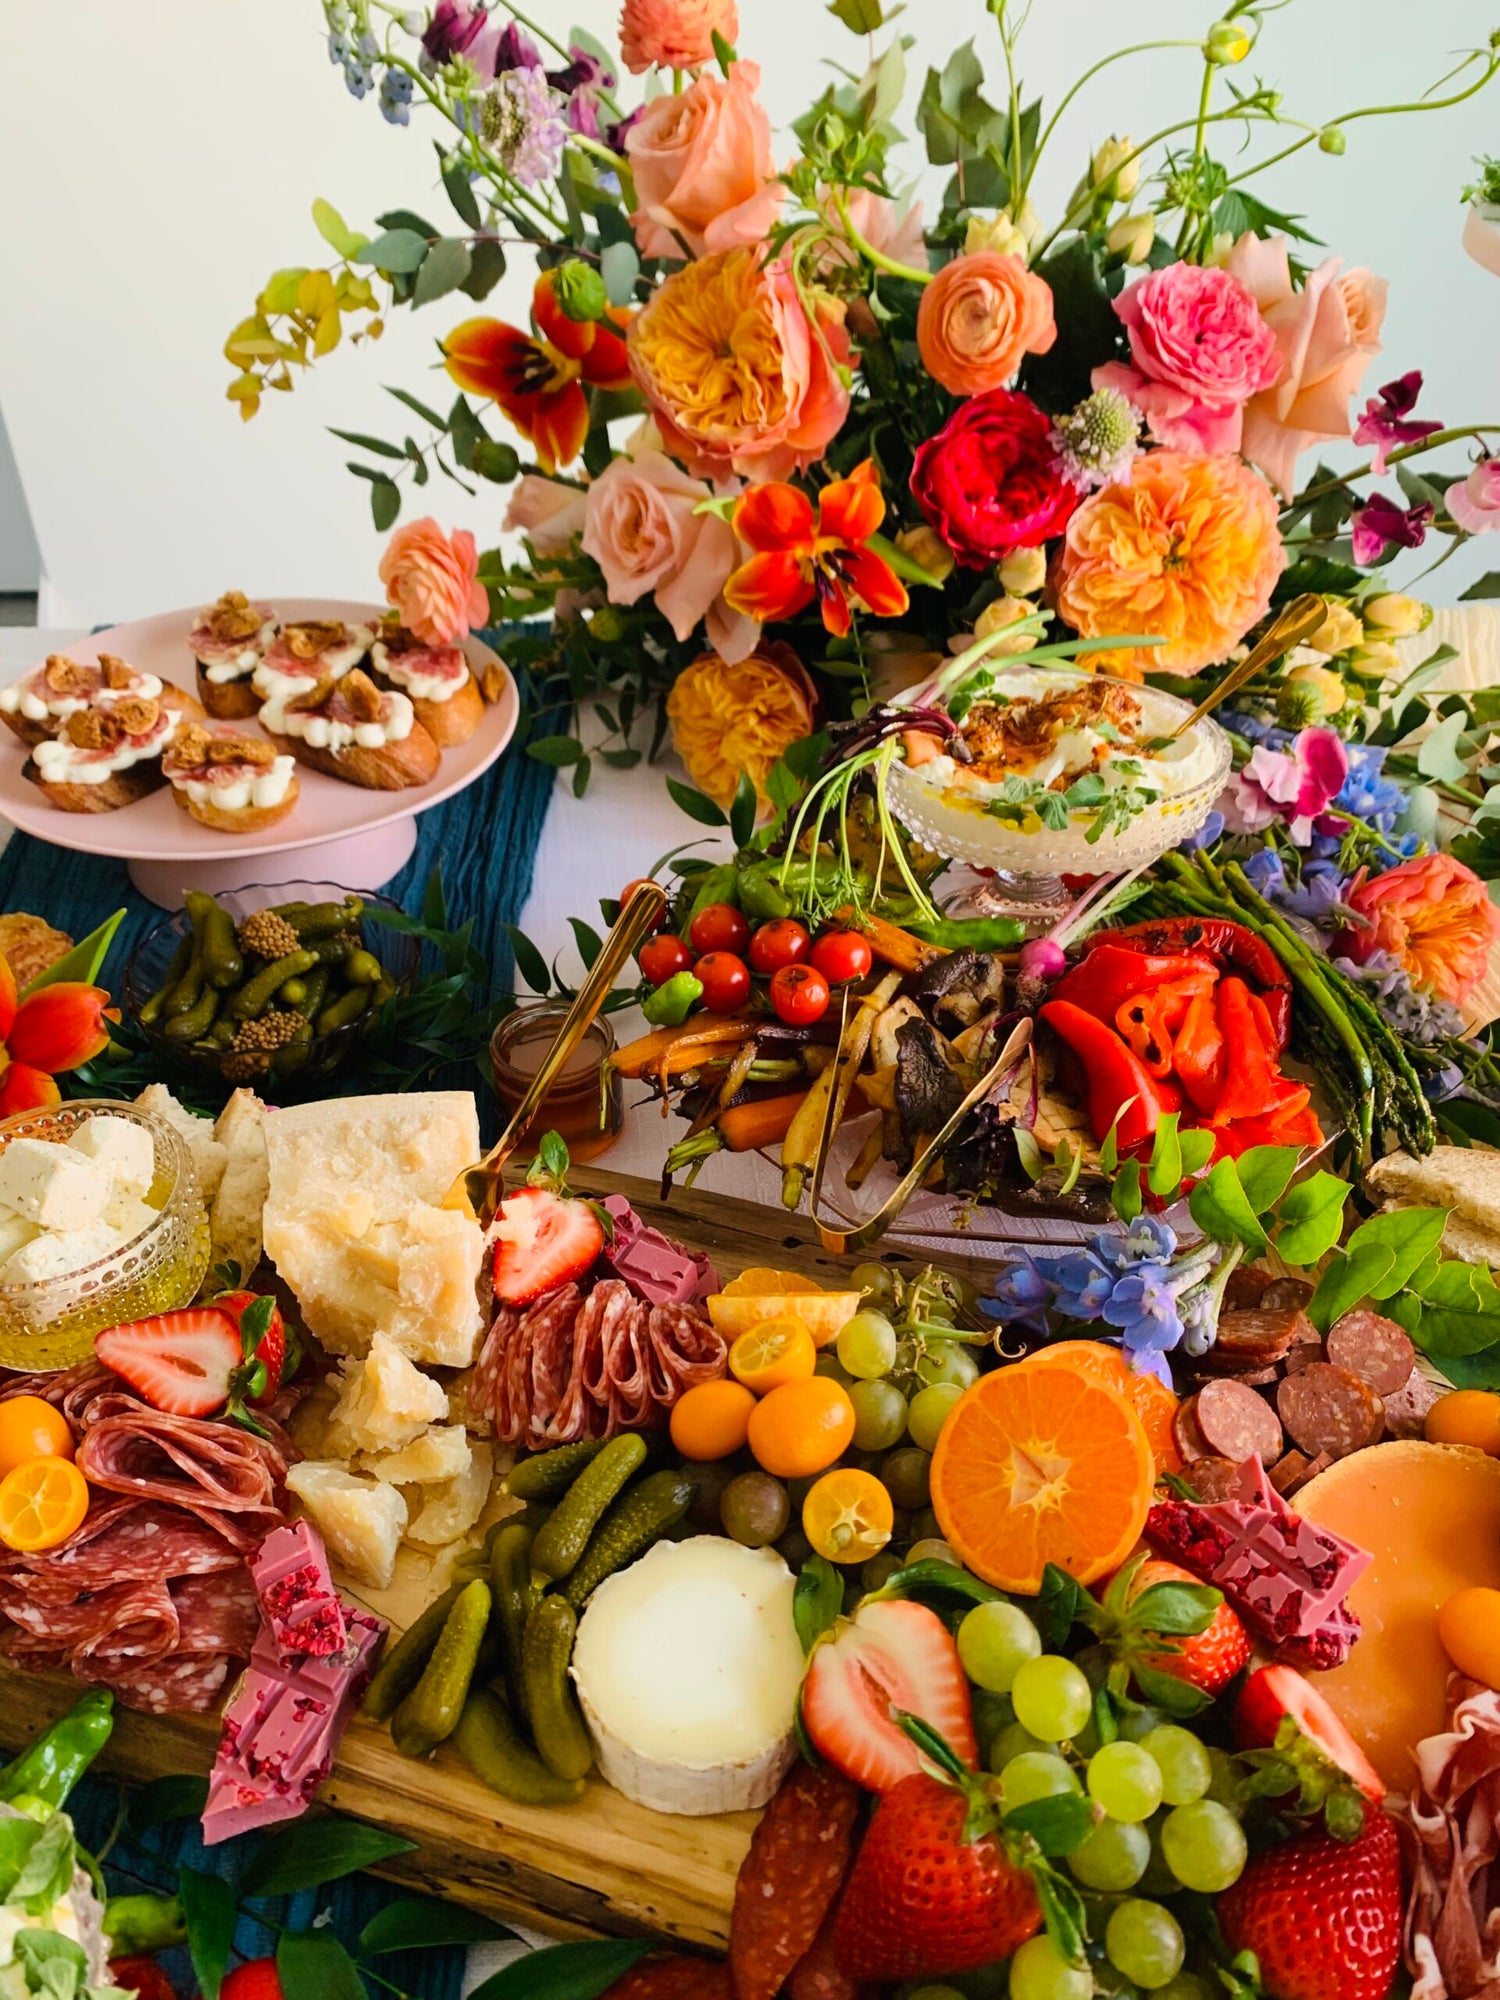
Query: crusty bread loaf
391	768
209	1158
238	819
228	701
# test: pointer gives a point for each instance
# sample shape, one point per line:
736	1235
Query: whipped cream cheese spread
62	762
428	673
240	785
326	732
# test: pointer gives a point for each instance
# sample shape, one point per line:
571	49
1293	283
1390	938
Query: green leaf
1177	1610
529	961
1057	1605
395	250
1165	1168
1486	587
209	1911
385	503
17	1838
860	17
48	1870
313	1965
1089	333
1164	1690
315	1851
1125	1194
555	750
1222	1210
1346	1281
620	266
742	811
417	406
486	269
444	269
333	229
1264	1172
589	942
1197	1148
55	1966
367	443
84	961
459	190
1410	1234
697	805
1438	756
564	1971
1109	1152
1459	1310
1057	1824
416	1924
817	1600
166	1799
465	430
1311	1217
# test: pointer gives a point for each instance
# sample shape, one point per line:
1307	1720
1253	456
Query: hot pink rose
430	577
1327	334
548	513
1199	350
674	34
1475	502
1432	914
703	168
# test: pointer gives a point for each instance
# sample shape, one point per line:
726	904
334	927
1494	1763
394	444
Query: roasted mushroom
955	991
929	1086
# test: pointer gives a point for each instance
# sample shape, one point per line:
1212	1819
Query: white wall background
156	169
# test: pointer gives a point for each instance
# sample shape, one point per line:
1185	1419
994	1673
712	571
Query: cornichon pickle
348	1007
256	994
311	920
551	1472
316	983
638	1518
562	1541
294	993
490	1744
222	964
184	995
197	1021
401	1669
221	1034
333	950
510	1581
175	969
363	967
430	1712
557	1725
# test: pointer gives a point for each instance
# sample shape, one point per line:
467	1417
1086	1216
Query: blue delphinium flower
1147	1240
1022	1292
1143	1305
395	97
1377	800
1210	831
1084	1285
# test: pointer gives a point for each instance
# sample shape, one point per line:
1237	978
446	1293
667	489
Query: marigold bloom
1435	916
801	554
1187	548
537	379
727	719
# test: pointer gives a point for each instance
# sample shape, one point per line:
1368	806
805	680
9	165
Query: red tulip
801	554
58	1027
23	1088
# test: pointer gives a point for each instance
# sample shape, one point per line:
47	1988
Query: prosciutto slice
1450	1830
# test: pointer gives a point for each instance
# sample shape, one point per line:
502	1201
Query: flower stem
1404	451
557	48
1119	55
869	252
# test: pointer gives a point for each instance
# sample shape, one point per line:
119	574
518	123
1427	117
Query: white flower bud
1132	237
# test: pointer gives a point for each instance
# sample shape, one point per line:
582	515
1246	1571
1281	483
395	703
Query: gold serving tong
1291	625
479	1188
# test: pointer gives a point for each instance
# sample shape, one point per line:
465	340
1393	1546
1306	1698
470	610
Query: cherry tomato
799	993
841	956
726	981
627	891
781	942
719	927
663	956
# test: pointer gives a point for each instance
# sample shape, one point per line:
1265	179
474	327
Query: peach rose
979	317
703	168
1328	334
739	377
548	513
1435	916
728	718
674	34
431	579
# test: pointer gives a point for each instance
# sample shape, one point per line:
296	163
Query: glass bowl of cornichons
273	994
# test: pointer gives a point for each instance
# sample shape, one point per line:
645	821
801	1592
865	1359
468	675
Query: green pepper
970	933
143	1923
54	1763
760	895
672	1002
711	885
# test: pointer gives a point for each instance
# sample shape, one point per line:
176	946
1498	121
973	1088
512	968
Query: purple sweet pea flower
1296	786
582	83
1380	524
1388	421
453	30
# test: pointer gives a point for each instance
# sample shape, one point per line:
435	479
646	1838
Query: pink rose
1475	502
548	513
883	225
644	533
430	577
703	168
1199	350
1432	914
674	34
1327	334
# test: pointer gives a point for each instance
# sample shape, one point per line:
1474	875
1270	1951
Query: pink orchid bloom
1295	787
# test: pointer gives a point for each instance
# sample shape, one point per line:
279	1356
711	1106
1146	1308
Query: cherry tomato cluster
721	951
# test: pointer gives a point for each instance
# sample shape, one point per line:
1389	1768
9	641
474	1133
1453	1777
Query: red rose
990	482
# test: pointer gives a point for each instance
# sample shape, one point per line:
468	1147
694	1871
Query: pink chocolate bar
282	1729
1286	1577
297	1598
655	1268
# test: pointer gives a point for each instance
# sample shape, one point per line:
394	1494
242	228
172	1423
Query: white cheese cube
127	1215
15	1231
52	1185
450	1508
54	1254
124	1150
384	1403
360	1519
439	1453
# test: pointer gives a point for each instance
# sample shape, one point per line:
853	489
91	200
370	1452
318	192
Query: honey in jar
584	1104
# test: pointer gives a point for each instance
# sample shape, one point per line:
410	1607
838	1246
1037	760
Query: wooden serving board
603	1866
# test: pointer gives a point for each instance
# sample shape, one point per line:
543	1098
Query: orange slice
41	1504
1038	1464
1094	1358
761	1282
1152	1401
824	1314
776	1351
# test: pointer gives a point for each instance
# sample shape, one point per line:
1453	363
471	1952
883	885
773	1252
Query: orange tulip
58	1027
538	379
801	554
10	999
23	1088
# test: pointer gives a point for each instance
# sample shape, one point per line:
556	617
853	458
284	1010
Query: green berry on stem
1036	1774
1184	1763
1145	1942
1125	1780
1204	1846
1038	1971
866	1345
1113	1857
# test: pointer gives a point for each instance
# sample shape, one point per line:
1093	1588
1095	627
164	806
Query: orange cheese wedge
1430	1516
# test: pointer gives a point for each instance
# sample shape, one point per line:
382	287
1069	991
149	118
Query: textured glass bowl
52	1323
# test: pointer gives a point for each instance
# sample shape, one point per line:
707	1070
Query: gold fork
478	1188
1291	625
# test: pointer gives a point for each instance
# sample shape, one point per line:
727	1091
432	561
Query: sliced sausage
1283	1292
1374	1348
1406	1410
1190	1440
1237	1423
1213	1480
1326	1409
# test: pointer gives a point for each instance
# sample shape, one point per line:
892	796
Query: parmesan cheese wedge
687	1666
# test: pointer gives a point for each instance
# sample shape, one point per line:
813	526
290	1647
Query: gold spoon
478	1188
1291	625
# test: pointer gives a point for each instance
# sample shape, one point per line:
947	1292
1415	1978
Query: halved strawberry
542	1240
891	1655
182	1362
262	1337
1275	1696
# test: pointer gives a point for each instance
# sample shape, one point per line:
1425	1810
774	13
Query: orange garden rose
702	166
979	318
1187	548
1435	916
674	34
727	719
431	579
738	375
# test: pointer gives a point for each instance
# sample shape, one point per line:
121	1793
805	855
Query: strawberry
1290	1731
1207	1660
142	1976
256	1979
262	1336
1174	1636
543	1239
1322	1916
182	1362
892	1655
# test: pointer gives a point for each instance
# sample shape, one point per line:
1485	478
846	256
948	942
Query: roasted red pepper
1152	1020
1198	1054
1111	974
1229	945
1284	1128
1115	1074
1253	1084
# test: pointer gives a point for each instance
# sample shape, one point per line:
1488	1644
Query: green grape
1113	1857
944	1361
993	1641
867	1345
933	1549
828	1364
1186	1986
1204	1846
1137	1722
1126	1782
879	1415
928	1411
1224	1785
878	1571
878	1285
1040	1972
1145	1942
907	1476
1158	1879
1012	1741
1036	1774
925	1525
934	1992
1052	1698
1182	1760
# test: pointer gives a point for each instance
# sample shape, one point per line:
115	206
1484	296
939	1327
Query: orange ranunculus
1435	916
800	554
740	377
432	580
674	34
728	719
537	379
978	320
1187	548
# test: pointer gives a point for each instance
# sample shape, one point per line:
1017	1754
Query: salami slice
1406	1410
1189	1439
799	1854
1287	1293
1236	1423
1213	1479
1301	1354
1254	1339
1374	1348
217	1614
1245	1289
1326	1409
205	1467
186	1684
